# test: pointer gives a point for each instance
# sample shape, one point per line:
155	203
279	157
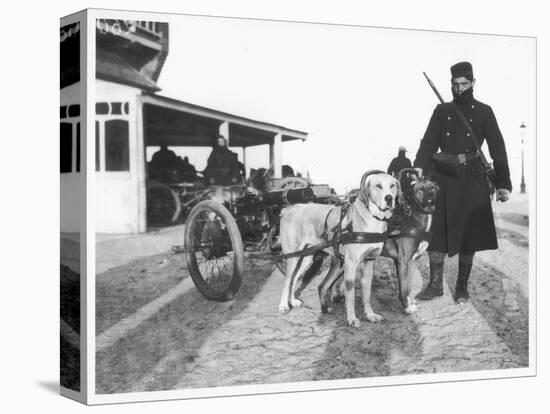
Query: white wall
70	183
117	193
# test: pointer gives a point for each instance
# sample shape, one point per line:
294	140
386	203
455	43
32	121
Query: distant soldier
164	164
463	221
164	157
187	170
241	170
287	171
222	167
399	162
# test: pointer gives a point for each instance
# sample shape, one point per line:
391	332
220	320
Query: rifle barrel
433	88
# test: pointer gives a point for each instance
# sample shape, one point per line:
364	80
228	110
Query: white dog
304	225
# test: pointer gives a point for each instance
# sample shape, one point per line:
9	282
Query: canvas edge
99	399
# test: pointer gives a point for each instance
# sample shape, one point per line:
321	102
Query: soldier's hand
503	195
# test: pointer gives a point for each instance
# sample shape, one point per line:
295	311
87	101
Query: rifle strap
472	135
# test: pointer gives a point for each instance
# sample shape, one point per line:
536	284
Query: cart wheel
163	204
291	182
214	250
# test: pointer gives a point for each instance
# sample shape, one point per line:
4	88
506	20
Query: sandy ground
156	332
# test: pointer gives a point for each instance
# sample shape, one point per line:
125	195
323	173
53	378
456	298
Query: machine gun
258	215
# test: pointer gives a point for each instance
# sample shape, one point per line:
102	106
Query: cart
217	234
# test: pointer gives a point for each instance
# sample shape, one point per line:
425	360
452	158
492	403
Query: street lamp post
522	135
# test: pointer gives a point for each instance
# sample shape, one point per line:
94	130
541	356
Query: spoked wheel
291	182
214	251
163	204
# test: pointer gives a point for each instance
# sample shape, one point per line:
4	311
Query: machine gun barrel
290	196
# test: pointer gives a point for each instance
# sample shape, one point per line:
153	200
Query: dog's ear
398	184
366	187
399	193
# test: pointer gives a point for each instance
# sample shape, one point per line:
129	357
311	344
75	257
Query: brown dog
413	219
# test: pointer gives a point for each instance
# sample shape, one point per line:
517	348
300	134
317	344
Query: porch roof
179	123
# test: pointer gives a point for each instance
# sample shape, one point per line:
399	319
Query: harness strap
417	234
353	237
325	229
356	237
294	272
308	251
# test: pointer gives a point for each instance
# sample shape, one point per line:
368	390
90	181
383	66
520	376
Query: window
66	147
116	108
96	146
117	145
78	147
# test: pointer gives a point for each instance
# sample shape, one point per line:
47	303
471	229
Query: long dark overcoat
463	221
222	167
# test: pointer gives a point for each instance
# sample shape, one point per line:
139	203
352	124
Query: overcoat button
448	133
471	120
473	106
468	134
449	117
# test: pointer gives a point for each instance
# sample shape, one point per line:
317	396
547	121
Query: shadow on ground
500	301
374	349
157	354
70	314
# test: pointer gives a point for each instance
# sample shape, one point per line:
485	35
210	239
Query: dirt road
156	332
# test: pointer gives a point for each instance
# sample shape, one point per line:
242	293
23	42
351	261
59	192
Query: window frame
100	121
76	123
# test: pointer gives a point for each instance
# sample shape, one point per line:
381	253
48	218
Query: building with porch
131	116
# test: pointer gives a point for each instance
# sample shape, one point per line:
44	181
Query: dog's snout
388	199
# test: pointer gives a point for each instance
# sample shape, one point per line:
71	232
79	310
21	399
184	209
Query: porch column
275	155
244	161
141	169
223	129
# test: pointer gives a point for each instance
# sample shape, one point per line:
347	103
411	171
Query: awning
179	123
112	67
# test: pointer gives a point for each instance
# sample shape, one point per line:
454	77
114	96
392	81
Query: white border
80	396
90	77
92	398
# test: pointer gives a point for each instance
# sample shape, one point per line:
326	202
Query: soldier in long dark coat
222	167
463	222
400	162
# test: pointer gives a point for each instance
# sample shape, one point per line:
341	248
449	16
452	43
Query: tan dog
413	218
304	225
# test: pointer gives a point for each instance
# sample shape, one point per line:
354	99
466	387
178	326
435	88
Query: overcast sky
359	92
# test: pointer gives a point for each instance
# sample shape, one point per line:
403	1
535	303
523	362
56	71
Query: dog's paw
296	303
354	322
327	309
284	309
412	308
374	317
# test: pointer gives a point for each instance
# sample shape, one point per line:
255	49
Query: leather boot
461	288
435	285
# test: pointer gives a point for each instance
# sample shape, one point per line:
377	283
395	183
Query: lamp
522	134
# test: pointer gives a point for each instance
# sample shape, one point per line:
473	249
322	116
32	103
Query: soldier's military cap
462	69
